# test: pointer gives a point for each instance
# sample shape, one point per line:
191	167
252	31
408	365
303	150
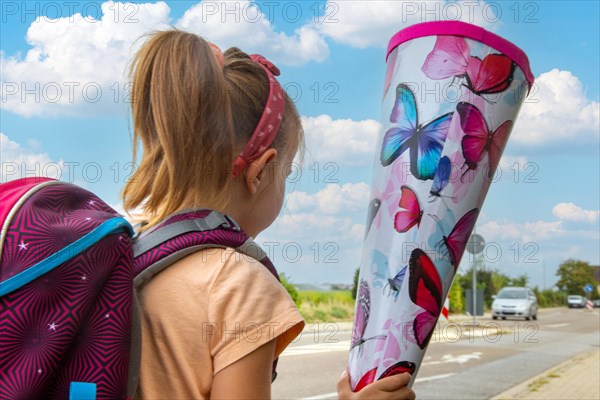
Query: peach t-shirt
204	313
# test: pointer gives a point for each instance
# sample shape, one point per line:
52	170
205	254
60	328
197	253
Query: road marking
334	394
342	345
552	315
557	325
460	359
434	377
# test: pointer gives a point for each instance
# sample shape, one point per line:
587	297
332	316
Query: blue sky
332	58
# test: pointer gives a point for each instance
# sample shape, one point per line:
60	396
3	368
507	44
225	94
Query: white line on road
342	345
434	377
334	394
460	358
557	325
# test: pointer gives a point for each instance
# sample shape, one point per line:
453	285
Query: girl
218	132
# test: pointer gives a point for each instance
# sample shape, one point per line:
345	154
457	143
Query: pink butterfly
389	72
478	138
456	241
411	214
363	309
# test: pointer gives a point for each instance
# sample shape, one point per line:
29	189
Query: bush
316	297
456	298
549	298
318	306
339	312
291	289
355	282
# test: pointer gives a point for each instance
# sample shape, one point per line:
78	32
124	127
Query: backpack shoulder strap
157	249
189	232
156	237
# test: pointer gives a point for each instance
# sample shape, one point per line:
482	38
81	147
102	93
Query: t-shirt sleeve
247	308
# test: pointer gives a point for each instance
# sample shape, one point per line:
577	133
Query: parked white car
515	302
576	301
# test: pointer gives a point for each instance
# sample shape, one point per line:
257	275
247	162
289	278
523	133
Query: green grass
316	306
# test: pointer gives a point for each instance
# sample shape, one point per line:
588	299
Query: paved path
577	378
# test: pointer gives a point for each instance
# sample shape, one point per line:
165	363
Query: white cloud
343	141
306	228
508	162
323	228
571	212
244	25
332	199
372	23
21	162
524	232
532	231
78	65
558	111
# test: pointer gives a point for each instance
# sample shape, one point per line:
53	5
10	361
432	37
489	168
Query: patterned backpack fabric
65	293
69	321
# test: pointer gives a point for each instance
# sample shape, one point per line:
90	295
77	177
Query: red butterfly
478	138
412	213
425	290
451	57
396	369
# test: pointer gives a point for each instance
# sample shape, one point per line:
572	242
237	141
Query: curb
544	385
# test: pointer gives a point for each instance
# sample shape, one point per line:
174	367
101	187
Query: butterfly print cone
451	95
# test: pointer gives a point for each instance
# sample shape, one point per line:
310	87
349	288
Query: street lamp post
475	246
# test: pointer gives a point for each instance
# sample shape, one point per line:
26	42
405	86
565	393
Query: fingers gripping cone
451	95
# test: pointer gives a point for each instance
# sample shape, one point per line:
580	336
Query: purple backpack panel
69	327
65	295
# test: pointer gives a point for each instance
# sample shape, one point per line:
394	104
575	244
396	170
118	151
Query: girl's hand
392	387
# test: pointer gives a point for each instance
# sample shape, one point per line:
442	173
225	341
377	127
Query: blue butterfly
381	274
441	178
424	141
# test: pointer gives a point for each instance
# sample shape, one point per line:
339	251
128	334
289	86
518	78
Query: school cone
452	93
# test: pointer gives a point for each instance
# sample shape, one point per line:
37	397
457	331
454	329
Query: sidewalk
577	378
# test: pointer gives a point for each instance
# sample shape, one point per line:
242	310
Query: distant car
576	301
596	303
515	302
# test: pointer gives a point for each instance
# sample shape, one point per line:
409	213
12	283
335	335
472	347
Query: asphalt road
471	368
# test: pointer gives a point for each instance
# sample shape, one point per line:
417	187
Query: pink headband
270	121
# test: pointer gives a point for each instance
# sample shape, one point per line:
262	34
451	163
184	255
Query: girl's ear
255	173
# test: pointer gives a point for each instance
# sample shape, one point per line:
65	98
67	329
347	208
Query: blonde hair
193	117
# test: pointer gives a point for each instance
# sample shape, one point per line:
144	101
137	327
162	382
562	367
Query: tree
520	281
574	275
291	289
355	282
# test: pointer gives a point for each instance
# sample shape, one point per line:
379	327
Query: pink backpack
69	323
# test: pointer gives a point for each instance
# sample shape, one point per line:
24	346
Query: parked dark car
596	303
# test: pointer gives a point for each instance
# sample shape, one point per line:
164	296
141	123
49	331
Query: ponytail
183	98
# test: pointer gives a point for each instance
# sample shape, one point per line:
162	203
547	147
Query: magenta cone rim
459	28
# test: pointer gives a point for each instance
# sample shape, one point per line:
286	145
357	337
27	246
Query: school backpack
69	323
